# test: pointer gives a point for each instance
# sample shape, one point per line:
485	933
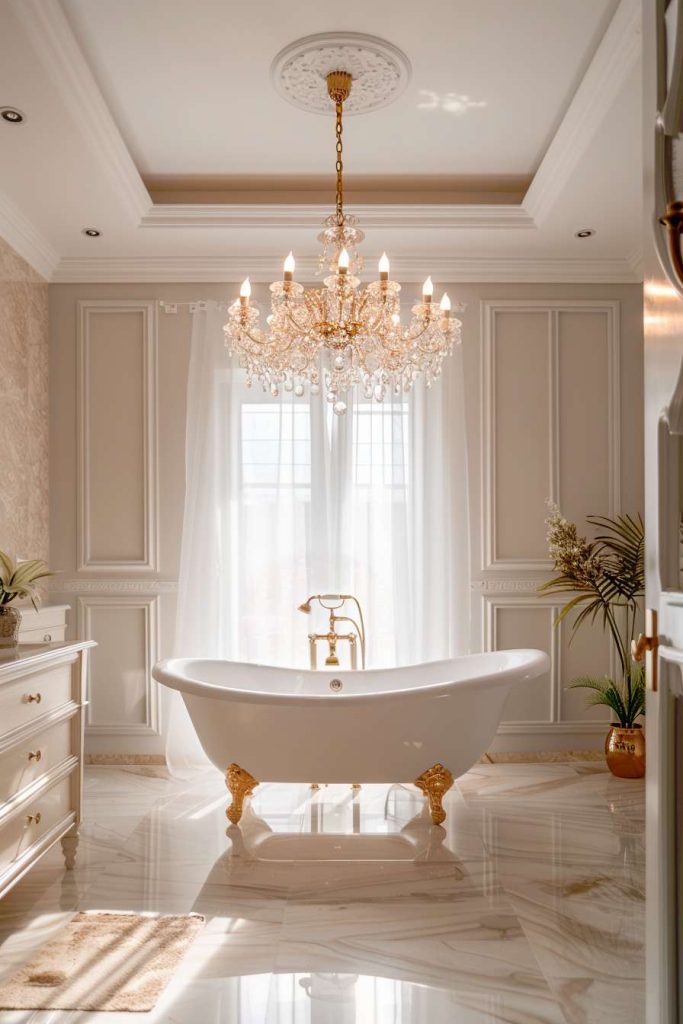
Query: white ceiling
189	83
119	90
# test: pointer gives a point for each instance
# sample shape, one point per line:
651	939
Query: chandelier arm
262	342
412	338
306	331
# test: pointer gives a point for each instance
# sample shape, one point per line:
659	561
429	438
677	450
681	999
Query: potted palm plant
605	580
18	580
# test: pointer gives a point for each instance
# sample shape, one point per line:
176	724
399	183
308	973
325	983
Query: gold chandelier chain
339	165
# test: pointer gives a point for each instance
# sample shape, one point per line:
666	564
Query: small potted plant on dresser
605	579
18	580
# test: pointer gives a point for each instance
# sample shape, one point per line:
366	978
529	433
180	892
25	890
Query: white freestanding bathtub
421	723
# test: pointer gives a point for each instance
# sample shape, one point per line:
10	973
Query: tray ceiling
156	122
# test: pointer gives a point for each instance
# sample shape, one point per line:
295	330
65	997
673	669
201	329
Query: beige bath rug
103	961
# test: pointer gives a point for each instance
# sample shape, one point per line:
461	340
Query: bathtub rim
537	663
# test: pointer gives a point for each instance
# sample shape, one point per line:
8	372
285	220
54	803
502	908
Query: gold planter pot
625	752
9	626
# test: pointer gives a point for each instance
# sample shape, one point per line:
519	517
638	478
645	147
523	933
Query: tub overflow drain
336	684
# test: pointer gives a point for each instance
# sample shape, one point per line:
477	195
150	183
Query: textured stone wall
24	509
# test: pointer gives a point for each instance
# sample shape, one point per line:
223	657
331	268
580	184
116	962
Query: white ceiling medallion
380	71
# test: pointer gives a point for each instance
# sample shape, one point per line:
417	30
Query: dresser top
17	659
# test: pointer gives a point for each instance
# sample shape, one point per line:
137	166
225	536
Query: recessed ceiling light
12	115
92	232
585	233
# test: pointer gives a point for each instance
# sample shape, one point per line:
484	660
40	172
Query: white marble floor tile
335	907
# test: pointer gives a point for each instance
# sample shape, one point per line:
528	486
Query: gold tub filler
333	603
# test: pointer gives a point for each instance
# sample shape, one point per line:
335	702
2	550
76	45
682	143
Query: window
275	446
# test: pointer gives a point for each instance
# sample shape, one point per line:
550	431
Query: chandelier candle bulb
384	267
343	262
289	267
427	290
245	292
445	304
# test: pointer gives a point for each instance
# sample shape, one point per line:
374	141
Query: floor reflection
342	907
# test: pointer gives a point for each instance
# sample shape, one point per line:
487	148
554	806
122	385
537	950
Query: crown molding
635	262
60	53
474	269
614	60
310	215
18	231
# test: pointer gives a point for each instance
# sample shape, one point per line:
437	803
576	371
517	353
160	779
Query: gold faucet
332	603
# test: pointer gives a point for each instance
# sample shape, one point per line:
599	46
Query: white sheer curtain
285	499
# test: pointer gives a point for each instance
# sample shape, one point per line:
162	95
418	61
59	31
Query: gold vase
625	752
9	626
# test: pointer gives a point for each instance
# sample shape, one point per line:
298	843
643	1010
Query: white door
663	320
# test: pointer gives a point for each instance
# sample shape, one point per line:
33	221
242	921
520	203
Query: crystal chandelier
342	335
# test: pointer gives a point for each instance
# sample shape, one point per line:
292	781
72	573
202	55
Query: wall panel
117	436
550	429
544	367
123	697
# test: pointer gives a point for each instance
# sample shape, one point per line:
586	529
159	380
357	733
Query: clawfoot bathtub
425	724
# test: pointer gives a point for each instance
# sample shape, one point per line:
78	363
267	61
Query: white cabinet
47	625
42	709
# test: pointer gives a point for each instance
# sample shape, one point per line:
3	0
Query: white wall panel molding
614	60
147	558
81	586
123	696
491	558
507	585
465	269
56	45
491	609
556	646
581	727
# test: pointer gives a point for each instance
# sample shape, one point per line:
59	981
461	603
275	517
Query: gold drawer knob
31	698
33	819
35	755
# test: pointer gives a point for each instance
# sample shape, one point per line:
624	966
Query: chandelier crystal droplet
341	336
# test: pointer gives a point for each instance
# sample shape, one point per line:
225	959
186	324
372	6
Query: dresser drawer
24	700
26	762
35	819
43	635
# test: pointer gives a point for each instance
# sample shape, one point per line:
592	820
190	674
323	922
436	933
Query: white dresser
42	712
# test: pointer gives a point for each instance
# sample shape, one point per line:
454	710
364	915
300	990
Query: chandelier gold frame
341	336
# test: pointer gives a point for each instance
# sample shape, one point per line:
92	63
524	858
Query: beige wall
24	530
548	369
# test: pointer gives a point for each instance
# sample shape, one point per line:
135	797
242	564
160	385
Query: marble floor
337	907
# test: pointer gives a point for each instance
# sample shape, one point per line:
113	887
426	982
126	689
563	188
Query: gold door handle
641	645
31	698
35	755
645	648
33	819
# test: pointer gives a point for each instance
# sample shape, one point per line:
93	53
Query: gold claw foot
241	784
435	783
